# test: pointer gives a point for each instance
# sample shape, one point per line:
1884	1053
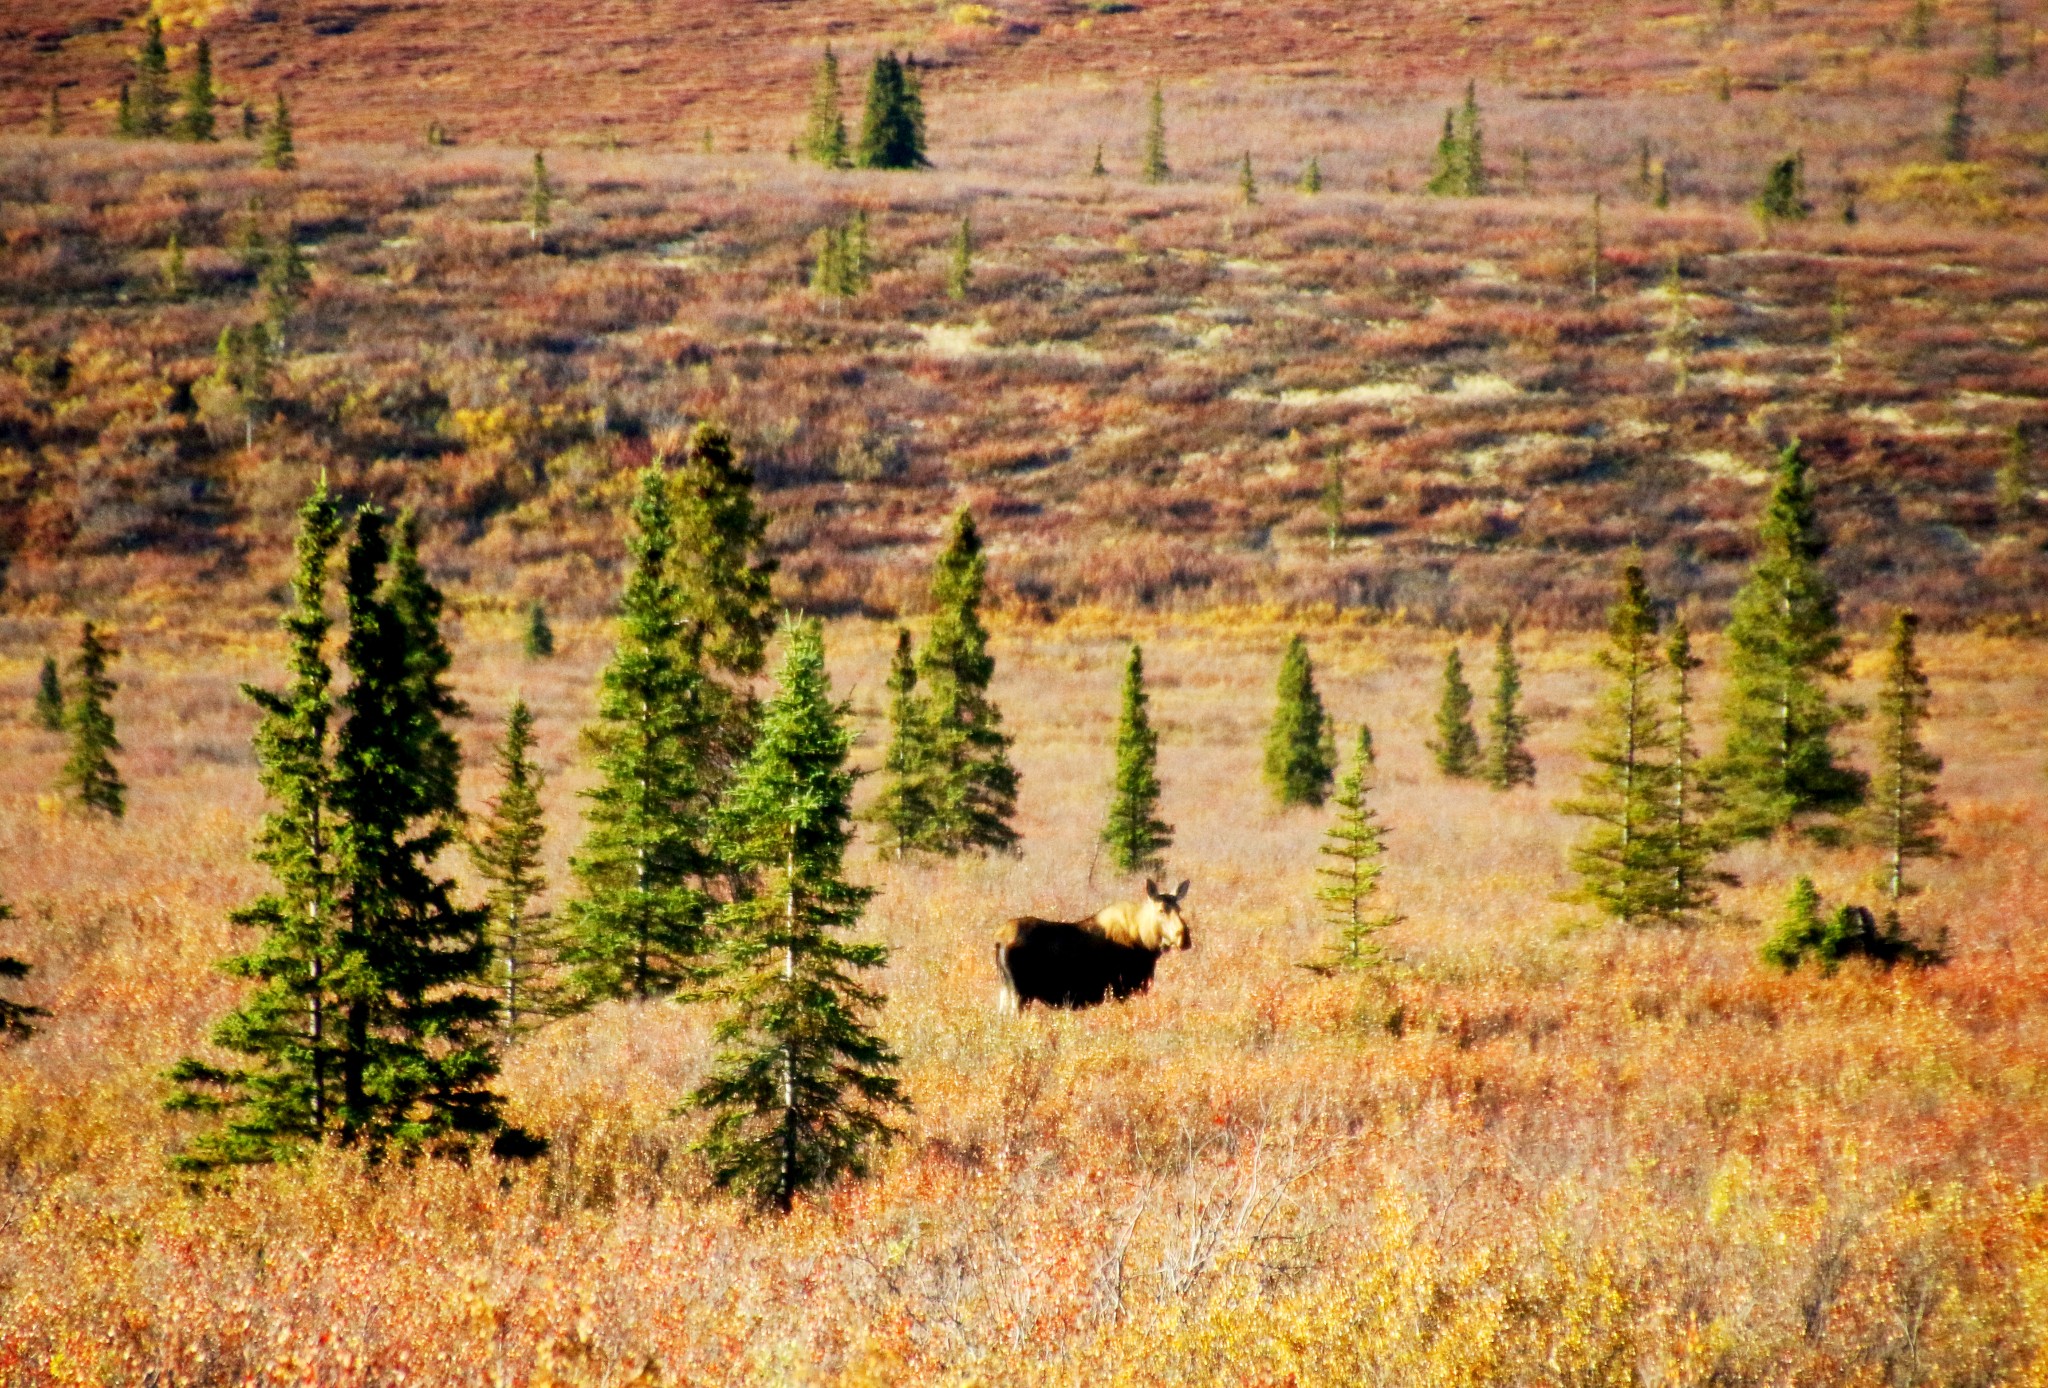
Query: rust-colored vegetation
1526	1147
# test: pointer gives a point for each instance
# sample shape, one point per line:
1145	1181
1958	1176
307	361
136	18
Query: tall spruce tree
1958	126
903	810
971	785
1153	162
801	1088
89	774
1247	182
1301	753
195	122
366	1026
1778	764
825	130
1134	833
1902	812
1508	762
1624	859
1697	826
892	124
1353	852
418	1057
540	198
289	1027
1456	744
150	102
53	115
1471	147
722	578
49	698
507	855
278	150
638	927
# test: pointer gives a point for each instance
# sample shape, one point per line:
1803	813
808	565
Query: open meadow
1529	1149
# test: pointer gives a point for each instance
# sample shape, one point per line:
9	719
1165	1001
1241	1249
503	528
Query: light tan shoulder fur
1131	923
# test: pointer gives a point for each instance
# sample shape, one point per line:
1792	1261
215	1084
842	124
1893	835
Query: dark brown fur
1081	963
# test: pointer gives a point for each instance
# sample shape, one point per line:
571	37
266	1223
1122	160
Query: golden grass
1531	1150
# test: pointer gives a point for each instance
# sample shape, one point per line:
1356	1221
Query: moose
1080	963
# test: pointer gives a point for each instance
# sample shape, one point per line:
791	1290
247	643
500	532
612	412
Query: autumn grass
1531	1145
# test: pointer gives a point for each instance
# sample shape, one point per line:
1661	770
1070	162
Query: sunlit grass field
1531	1148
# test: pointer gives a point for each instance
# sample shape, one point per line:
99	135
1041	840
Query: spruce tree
904	810
1799	931
1447	177
801	1088
825	130
418	1056
1624	860
252	124
722	581
15	1016
539	638
53	116
150	105
1920	24
1247	183
1508	762
124	115
89	773
1098	169
278	151
1312	176
1456	745
638	927
288	1028
196	121
1153	164
1783	198
507	855
1134	833
49	698
1353	851
1471	147
1333	504
282	284
540	198
960	269
892	125
2012	486
1697	832
1958	128
970	787
1902	811
175	280
1301	755
1778	764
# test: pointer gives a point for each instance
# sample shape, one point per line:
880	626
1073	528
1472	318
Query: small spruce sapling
1508	762
1247	182
1353	853
89	773
49	698
1153	164
903	810
196	122
960	269
507	854
1623	859
1902	813
539	639
278	150
1456	744
540	198
1312	176
1959	127
1301	754
1134	833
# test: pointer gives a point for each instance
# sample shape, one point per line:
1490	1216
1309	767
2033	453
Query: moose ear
1182	890
1151	889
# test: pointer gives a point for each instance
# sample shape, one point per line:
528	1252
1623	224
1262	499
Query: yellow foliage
1957	192
974	14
